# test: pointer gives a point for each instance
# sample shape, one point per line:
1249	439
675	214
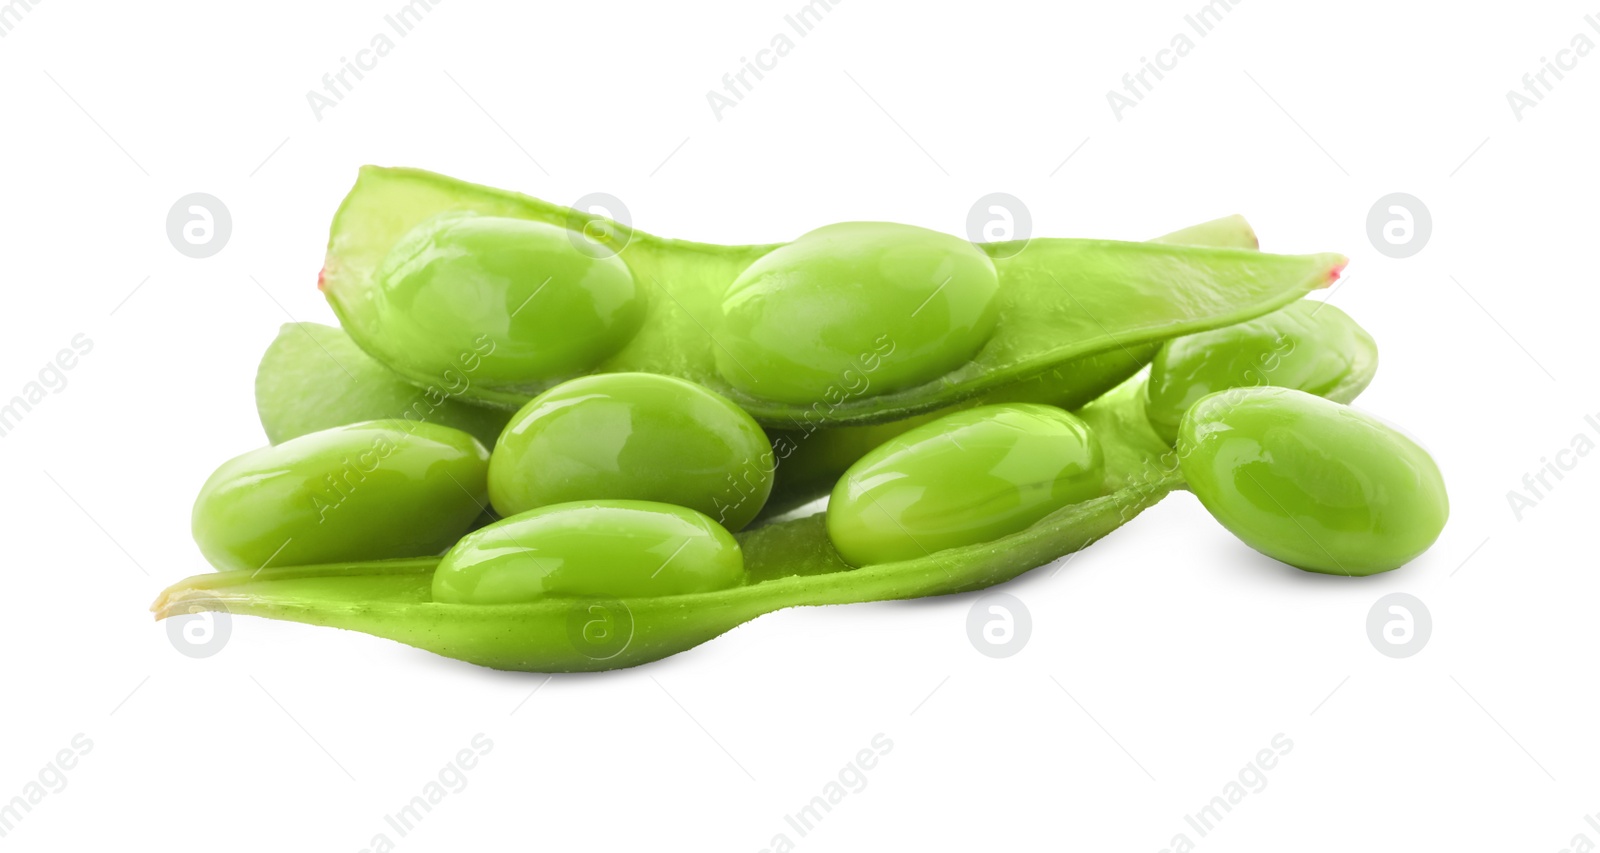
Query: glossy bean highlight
633	436
901	303
507	303
615	549
965	478
1310	482
1309	346
366	491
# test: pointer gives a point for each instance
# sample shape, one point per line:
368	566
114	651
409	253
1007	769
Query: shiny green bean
590	548
853	323
633	436
1310	346
965	478
366	491
1310	482
509	302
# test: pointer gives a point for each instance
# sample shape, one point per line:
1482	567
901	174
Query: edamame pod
811	460
1309	346
633	436
313	377
366	491
965	478
1310	482
431	277
590	548
787	564
1058	301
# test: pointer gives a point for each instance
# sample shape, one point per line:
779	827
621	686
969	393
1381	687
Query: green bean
513	303
633	436
1310	482
812	459
1310	346
897	305
366	491
965	478
590	548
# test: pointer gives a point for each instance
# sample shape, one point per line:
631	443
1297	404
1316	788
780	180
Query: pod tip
1250	231
1338	268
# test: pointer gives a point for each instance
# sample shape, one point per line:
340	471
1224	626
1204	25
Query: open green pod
811	459
313	377
420	258
787	564
1309	346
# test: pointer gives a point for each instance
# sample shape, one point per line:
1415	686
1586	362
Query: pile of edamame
543	440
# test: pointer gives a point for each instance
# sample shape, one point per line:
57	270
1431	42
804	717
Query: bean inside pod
633	436
365	491
787	563
896	302
1309	346
503	301
590	548
968	477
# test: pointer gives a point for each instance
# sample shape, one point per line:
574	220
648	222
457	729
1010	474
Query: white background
1161	660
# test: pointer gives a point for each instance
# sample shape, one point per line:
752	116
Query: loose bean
1311	482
